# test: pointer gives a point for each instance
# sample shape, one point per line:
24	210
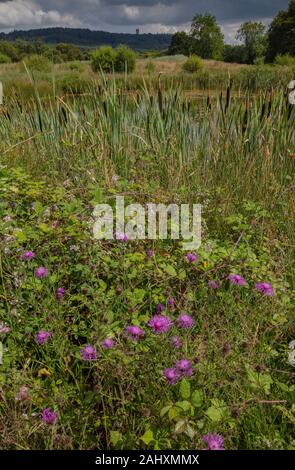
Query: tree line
257	43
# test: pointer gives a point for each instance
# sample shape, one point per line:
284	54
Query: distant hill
88	38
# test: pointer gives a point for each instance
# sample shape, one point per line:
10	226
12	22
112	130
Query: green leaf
189	431
197	398
173	413
169	269
116	437
182	275
147	437
185	389
217	411
180	426
184	405
165	410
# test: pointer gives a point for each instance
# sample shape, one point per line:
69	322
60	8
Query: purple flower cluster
150	253
60	293
185	321
170	302
42	337
191	257
28	255
160	324
265	289
41	272
214	441
135	333
213	285
176	342
108	343
49	416
182	368
236	279
88	353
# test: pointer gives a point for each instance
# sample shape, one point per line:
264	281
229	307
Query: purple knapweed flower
191	257
160	324
213	284
160	308
42	337
60	293
121	237
170	302
172	375
214	441
108	343
49	416
135	332
236	279
176	342
185	321
41	272
28	255
184	366
150	253
265	288
88	353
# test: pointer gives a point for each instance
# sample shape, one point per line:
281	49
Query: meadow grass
60	156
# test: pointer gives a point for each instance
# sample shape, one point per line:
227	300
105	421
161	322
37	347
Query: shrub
285	59
103	59
4	59
37	63
125	59
193	64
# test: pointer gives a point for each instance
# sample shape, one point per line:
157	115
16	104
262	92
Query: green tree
207	38
235	53
281	34
69	52
8	49
252	35
181	43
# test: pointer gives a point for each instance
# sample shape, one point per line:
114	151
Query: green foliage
85	150
10	50
181	43
252	34
285	60
37	63
193	64
4	59
207	38
68	52
235	53
125	59
103	59
281	34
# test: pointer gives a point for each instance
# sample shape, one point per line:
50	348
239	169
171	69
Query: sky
126	15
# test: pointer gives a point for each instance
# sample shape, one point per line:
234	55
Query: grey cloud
125	15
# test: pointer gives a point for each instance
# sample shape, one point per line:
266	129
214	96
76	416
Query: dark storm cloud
124	15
